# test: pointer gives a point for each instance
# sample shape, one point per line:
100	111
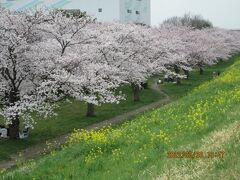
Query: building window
137	12
129	11
99	9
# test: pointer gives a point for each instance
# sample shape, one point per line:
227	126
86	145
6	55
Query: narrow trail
36	150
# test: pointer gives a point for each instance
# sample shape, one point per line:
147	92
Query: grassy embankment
206	120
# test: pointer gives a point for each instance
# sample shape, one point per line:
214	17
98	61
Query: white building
137	11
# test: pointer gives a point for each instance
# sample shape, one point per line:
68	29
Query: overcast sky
223	13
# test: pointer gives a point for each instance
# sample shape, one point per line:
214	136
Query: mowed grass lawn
206	120
72	115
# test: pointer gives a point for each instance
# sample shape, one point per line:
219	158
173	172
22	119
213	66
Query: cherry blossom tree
128	49
74	45
208	46
226	44
24	84
183	47
171	49
102	76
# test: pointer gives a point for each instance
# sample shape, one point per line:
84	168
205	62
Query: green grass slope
207	121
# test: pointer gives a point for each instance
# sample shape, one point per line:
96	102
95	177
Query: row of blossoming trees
45	57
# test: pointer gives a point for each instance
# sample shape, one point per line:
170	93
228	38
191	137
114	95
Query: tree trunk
14	128
136	92
90	110
177	71
178	81
144	85
201	70
186	72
